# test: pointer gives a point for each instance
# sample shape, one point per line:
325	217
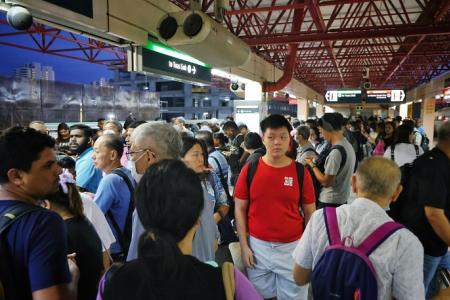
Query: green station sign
160	59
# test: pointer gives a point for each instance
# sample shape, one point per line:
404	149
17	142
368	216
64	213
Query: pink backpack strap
334	236
377	237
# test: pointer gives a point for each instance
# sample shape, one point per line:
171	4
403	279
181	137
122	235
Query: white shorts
272	275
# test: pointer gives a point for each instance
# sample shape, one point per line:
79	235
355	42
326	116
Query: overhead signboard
385	96
343	96
164	61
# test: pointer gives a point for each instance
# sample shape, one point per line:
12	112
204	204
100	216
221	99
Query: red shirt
273	213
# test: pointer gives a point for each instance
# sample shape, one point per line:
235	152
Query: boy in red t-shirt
268	211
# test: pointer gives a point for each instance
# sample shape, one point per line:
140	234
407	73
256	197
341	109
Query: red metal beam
314	10
264	9
300	37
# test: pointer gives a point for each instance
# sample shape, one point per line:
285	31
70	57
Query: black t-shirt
84	241
138	280
429	185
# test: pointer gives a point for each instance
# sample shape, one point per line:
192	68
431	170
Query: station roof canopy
403	43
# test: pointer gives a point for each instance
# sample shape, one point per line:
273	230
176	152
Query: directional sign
385	96
158	63
343	96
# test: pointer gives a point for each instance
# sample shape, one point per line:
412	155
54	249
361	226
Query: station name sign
343	96
158	63
357	96
385	96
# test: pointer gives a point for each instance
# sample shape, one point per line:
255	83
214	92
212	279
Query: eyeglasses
130	154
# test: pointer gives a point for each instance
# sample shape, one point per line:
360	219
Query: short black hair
20	147
409	123
331	121
221	137
100	119
113	142
87	131
66	162
242	126
136	124
274	122
206	136
253	141
230	125
304	131
402	134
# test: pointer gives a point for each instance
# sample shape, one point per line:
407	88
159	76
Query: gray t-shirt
339	191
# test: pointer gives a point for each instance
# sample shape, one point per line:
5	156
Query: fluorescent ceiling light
163	49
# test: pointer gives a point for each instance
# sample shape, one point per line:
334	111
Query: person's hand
309	161
247	257
73	268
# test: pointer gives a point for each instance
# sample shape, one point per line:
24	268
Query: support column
320	110
302	109
428	116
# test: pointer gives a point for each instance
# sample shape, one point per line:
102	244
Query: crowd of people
327	208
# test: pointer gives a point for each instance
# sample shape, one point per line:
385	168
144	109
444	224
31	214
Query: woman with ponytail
82	239
169	201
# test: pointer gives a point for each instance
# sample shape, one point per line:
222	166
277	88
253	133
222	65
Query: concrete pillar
428	116
404	110
253	91
320	109
302	109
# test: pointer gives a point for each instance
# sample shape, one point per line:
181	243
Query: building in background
35	71
179	98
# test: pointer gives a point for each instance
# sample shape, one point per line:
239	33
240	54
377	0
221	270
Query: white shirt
403	153
398	261
98	220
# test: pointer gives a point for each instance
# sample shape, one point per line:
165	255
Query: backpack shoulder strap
127	180
127	229
300	175
392	152
377	237
218	165
341	150
252	166
228	280
15	212
331	224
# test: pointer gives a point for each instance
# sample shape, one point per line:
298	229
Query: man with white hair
39	126
397	260
150	143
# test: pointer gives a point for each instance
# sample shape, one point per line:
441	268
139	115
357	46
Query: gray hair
444	132
378	176
116	123
303	131
163	137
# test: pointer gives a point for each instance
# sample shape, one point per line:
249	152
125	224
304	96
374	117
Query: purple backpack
345	272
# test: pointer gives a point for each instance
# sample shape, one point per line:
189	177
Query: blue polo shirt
37	244
113	195
88	177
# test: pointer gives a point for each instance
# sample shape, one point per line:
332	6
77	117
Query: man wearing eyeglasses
150	143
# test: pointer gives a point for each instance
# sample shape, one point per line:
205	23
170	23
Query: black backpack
320	163
125	236
12	214
253	165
